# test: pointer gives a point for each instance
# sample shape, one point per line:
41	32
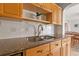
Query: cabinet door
12	9
63	50
59	16
46	54
68	48
1	9
37	51
56	52
36	4
47	6
54	14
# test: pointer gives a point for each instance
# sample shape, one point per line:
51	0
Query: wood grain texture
12	10
38	51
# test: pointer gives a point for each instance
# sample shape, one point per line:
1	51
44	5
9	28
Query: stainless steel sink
40	38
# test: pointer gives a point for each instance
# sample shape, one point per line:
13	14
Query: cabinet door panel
37	51
46	6
46	54
68	48
1	9
54	14
12	9
59	16
63	50
56	52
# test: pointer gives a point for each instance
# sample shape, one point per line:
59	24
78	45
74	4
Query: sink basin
40	38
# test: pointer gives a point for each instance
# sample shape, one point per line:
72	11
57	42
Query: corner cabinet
12	10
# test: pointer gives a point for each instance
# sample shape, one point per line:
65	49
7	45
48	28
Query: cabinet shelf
35	20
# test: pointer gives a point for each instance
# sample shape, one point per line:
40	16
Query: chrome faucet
40	28
34	30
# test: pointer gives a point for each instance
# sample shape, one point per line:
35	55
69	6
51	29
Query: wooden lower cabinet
56	52
57	48
63	50
66	47
46	54
38	51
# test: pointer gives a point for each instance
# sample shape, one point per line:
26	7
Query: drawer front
56	44
38	51
46	54
66	40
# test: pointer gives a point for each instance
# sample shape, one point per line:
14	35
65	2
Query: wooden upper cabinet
59	16
12	9
1	9
47	6
56	14
36	4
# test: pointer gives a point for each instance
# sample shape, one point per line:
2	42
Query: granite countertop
16	45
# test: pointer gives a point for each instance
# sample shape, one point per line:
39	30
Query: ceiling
72	12
63	5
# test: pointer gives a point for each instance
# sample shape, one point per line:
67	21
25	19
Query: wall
71	17
73	28
12	29
71	25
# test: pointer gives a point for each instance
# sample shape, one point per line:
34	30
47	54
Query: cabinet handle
48	55
39	51
56	44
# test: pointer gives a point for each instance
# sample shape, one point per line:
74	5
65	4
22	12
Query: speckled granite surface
14	45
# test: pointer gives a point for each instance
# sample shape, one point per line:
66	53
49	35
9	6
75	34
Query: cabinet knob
39	51
47	54
56	44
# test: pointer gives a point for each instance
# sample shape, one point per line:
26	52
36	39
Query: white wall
71	16
73	28
12	29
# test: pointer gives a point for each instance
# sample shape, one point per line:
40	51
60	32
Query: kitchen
33	29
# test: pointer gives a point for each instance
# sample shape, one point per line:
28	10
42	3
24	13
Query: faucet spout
40	28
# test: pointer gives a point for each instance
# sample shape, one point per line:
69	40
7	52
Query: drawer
56	44
38	51
46	54
66	40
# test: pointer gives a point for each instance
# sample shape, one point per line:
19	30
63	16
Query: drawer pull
48	55
56	44
39	51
